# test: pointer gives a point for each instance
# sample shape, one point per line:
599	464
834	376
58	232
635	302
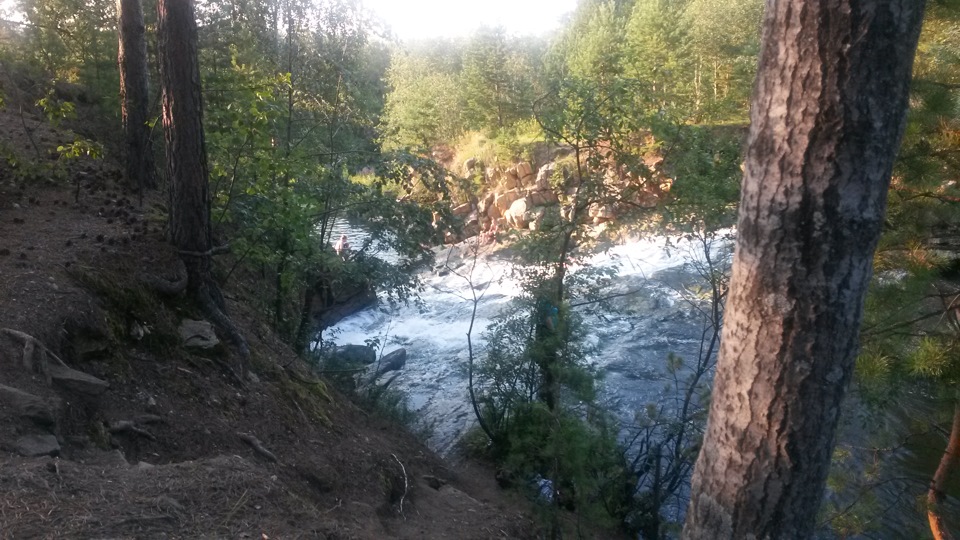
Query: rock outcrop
530	195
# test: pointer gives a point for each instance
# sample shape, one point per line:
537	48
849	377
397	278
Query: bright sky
422	19
6	8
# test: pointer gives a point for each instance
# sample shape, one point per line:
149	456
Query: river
630	343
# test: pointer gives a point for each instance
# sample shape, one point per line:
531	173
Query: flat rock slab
198	334
37	445
28	405
78	381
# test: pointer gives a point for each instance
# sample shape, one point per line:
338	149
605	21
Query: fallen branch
258	446
211	300
406	485
125	426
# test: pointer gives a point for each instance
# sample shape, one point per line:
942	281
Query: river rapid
630	343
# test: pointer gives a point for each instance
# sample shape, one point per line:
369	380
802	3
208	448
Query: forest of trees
282	119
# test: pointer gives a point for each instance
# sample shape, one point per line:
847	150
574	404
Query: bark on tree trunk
183	133
135	94
190	227
827	117
938	486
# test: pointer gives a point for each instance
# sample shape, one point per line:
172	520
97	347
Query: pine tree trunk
135	94
190	227
827	117
183	133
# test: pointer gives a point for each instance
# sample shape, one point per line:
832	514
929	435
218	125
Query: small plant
56	110
81	147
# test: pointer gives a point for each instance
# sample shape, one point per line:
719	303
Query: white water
632	344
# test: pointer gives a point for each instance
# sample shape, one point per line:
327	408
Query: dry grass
64	499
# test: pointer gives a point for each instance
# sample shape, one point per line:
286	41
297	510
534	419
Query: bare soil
73	248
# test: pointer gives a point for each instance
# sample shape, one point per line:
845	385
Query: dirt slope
159	453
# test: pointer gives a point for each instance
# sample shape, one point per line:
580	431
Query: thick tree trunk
183	133
938	486
190	227
827	117
135	94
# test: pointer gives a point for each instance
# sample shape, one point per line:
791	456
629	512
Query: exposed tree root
257	446
167	287
127	426
211	301
208	295
31	360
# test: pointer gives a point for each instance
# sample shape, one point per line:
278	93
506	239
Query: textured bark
938	486
183	134
190	227
134	94
826	121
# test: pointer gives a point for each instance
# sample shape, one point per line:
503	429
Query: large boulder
544	175
397	359
516	215
506	199
510	181
28	405
77	381
544	198
393	361
524	170
354	354
37	445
